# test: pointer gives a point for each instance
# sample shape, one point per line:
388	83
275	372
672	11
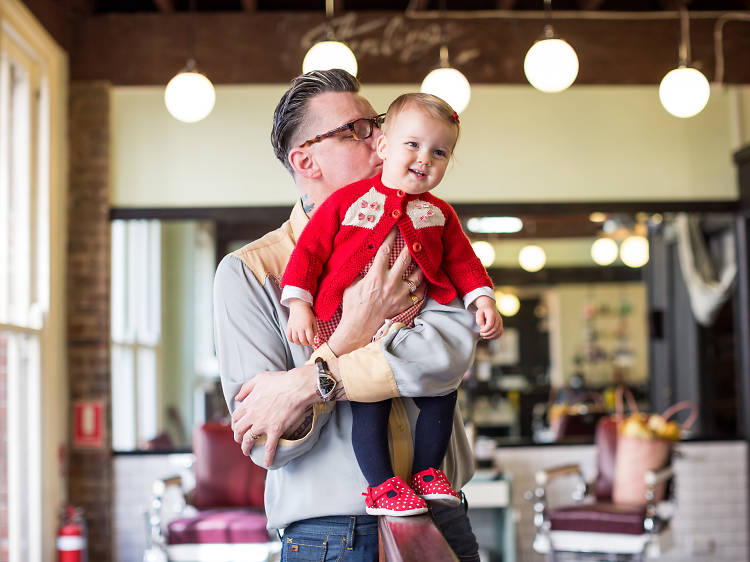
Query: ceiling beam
391	47
165	6
415	5
590	4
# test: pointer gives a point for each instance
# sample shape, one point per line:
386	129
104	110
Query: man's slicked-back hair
291	110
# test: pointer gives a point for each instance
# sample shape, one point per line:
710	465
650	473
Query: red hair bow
455	117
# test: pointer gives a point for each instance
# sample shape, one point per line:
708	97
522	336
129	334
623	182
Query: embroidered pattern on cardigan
366	211
424	214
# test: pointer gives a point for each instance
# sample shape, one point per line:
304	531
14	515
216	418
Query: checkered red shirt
327	327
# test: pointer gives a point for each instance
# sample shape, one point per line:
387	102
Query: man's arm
250	346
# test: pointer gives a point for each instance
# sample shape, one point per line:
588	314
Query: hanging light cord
191	65
719	41
684	52
549	32
444	59
330	35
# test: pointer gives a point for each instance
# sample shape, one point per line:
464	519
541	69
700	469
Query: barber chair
221	519
593	527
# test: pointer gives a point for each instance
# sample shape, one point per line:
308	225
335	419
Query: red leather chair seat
599	518
219	526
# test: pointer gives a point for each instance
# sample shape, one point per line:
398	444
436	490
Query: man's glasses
361	129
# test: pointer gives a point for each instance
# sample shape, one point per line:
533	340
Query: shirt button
396	213
400	193
417	247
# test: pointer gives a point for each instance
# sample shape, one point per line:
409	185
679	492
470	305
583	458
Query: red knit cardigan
346	231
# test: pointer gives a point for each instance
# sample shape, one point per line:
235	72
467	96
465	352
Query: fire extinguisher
71	538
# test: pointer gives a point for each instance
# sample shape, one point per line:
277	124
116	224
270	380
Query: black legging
370	435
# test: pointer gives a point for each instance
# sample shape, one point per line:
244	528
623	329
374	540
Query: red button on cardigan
396	213
400	193
417	247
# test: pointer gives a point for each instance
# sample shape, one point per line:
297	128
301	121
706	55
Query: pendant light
329	54
551	64
447	82
190	95
684	91
532	258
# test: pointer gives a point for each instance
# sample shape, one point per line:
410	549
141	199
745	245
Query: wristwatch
326	382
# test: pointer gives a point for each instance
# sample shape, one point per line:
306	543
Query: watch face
327	383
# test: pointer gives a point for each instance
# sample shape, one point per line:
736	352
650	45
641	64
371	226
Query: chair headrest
224	477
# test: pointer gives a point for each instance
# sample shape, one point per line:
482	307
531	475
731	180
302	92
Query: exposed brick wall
3	449
90	481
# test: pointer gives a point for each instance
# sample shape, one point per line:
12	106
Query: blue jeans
355	539
343	537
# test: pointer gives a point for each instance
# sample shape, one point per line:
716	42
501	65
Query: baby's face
416	149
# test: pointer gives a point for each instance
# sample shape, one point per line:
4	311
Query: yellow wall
517	145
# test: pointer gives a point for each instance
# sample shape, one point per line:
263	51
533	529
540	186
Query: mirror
573	329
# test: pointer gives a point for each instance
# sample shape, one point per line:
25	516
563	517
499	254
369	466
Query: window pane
148	395
123	398
118	301
20	195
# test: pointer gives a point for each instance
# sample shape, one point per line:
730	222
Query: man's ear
380	146
303	163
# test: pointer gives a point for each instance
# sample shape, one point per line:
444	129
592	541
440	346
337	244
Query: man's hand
380	294
270	404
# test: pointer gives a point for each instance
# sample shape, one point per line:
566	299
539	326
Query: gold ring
254	437
412	286
414	299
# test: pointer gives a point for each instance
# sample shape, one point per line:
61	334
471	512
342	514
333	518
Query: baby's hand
488	318
302	326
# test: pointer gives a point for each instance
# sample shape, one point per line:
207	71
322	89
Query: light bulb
604	251
551	65
189	96
684	91
532	258
507	304
485	252
634	251
330	54
494	225
450	85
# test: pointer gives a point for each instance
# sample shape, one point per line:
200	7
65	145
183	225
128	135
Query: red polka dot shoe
433	485
393	497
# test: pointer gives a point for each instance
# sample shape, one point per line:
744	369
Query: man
324	133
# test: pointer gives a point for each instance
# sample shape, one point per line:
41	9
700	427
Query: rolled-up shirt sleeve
429	359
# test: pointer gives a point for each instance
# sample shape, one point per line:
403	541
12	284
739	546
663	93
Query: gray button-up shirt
317	475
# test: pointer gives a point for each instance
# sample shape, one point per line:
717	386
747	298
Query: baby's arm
301	326
488	319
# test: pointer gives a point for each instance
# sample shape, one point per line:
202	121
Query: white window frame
135	328
33	113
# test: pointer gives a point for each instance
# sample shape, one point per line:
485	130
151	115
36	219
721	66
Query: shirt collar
298	219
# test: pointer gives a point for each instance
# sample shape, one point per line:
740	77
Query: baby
340	242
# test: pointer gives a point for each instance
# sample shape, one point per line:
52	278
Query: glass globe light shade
532	258
189	96
551	65
485	252
330	54
684	91
634	251
604	251
450	85
507	304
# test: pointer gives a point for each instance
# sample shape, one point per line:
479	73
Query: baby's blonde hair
432	105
